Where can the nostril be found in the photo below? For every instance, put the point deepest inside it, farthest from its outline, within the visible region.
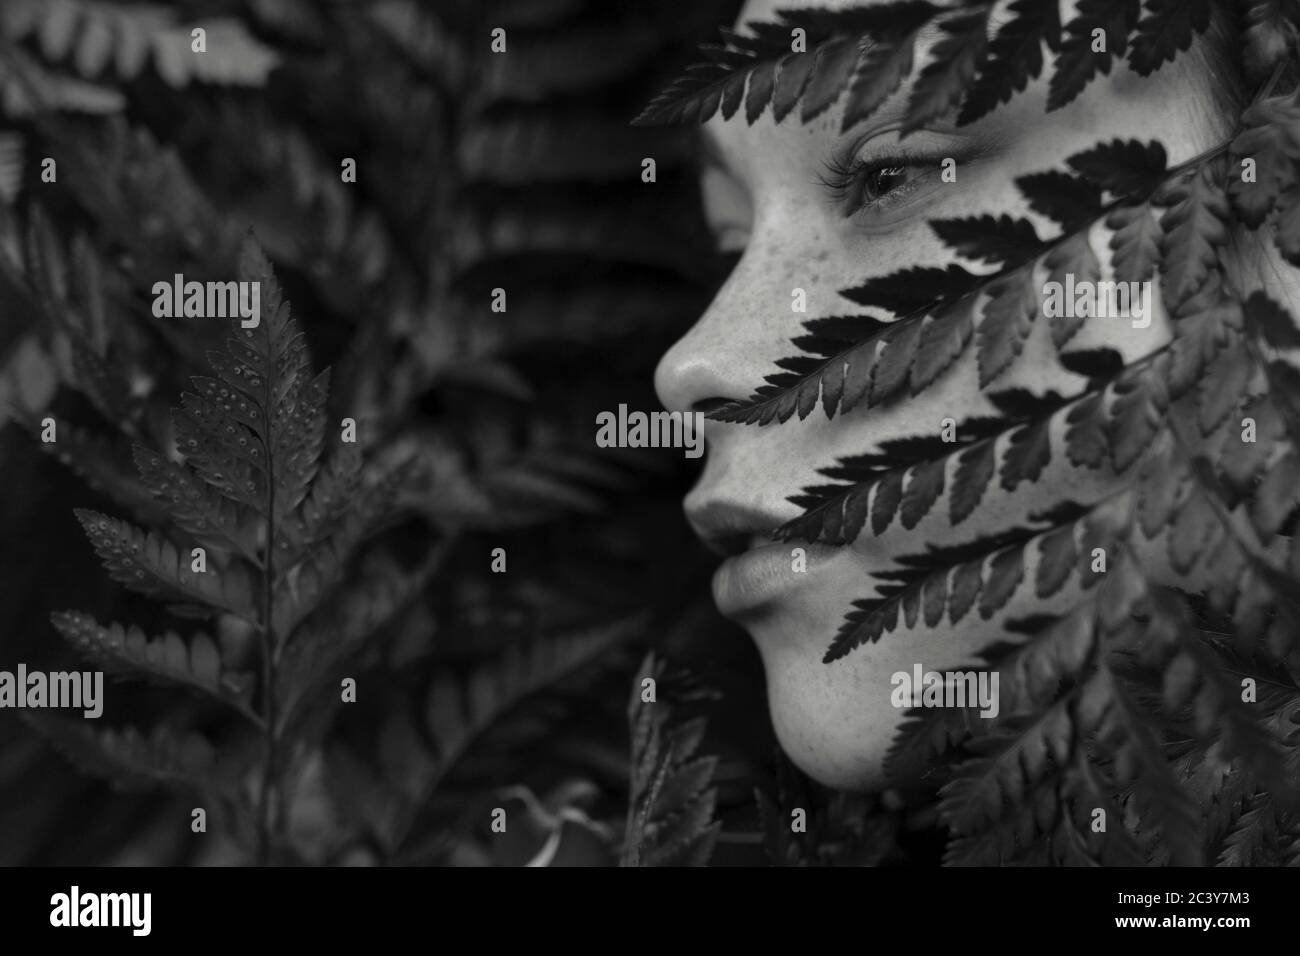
(709, 405)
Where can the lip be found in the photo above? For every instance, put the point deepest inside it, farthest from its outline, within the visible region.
(763, 576)
(759, 571)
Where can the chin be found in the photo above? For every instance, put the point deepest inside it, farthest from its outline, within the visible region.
(834, 721)
(837, 721)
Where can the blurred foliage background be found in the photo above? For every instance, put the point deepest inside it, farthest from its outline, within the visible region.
(474, 171)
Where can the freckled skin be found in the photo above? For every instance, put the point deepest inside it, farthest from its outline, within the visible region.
(836, 721)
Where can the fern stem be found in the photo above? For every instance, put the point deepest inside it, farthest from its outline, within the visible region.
(267, 812)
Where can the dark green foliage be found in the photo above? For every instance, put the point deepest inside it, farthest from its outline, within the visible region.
(253, 440)
(670, 820)
(473, 427)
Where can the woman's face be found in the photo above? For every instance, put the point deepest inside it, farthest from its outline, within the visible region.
(766, 195)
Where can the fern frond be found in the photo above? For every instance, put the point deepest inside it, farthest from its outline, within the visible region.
(670, 816)
(152, 565)
(169, 658)
(131, 760)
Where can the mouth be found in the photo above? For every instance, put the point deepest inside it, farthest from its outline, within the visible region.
(760, 571)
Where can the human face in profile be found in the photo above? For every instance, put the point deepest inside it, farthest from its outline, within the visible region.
(814, 209)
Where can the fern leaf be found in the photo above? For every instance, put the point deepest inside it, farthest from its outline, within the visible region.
(1077, 63)
(1015, 57)
(148, 564)
(894, 363)
(196, 507)
(1073, 256)
(1195, 227)
(974, 472)
(99, 462)
(1006, 571)
(1071, 201)
(459, 711)
(1163, 804)
(1125, 168)
(1014, 759)
(245, 61)
(1028, 454)
(913, 289)
(1135, 416)
(1269, 321)
(924, 488)
(835, 64)
(994, 240)
(670, 819)
(955, 59)
(1136, 243)
(883, 67)
(168, 658)
(842, 381)
(1270, 138)
(1008, 317)
(1250, 834)
(130, 760)
(1167, 29)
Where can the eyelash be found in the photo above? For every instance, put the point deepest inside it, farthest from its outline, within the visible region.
(847, 177)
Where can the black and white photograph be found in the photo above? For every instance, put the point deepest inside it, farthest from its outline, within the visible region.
(740, 434)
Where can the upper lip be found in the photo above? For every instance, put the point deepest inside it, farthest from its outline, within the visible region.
(731, 529)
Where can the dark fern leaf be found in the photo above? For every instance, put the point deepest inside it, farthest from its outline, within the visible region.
(955, 59)
(1135, 416)
(1074, 258)
(1008, 317)
(1136, 242)
(1268, 320)
(1078, 61)
(153, 566)
(1125, 168)
(1095, 364)
(1253, 830)
(913, 289)
(1071, 201)
(884, 66)
(994, 240)
(836, 62)
(1015, 57)
(1028, 454)
(670, 819)
(974, 472)
(793, 72)
(1195, 227)
(1167, 29)
(888, 57)
(943, 339)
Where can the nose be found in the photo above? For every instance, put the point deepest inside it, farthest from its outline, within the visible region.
(698, 373)
(726, 354)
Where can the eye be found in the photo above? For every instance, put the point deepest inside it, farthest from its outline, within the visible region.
(859, 184)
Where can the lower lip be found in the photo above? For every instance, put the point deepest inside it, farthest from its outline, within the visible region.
(763, 576)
